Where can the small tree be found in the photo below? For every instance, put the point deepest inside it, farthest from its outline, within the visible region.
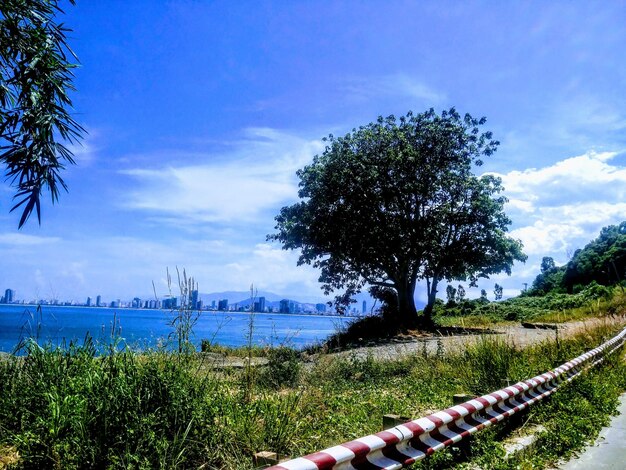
(483, 294)
(547, 264)
(450, 293)
(35, 77)
(460, 293)
(395, 202)
(497, 291)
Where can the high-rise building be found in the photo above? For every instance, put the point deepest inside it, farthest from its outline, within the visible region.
(213, 305)
(136, 302)
(194, 299)
(99, 301)
(284, 306)
(170, 303)
(222, 305)
(88, 303)
(9, 296)
(259, 305)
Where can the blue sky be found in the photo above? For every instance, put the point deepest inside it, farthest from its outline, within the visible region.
(199, 114)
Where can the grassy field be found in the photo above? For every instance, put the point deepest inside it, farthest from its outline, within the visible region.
(83, 407)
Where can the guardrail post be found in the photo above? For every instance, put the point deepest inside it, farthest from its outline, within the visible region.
(391, 421)
(265, 459)
(459, 398)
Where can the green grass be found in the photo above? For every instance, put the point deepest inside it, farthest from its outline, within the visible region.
(73, 408)
(253, 351)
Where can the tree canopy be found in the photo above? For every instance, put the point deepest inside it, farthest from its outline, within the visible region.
(602, 261)
(395, 202)
(35, 78)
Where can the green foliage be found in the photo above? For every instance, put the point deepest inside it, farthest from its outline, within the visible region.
(497, 291)
(451, 294)
(68, 408)
(601, 261)
(396, 201)
(72, 408)
(554, 306)
(549, 280)
(283, 367)
(207, 346)
(35, 78)
(491, 361)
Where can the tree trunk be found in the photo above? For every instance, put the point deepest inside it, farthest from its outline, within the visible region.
(427, 319)
(407, 312)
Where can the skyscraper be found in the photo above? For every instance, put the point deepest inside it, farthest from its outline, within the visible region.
(99, 301)
(194, 299)
(88, 303)
(9, 296)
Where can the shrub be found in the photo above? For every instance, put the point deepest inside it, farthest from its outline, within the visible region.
(283, 367)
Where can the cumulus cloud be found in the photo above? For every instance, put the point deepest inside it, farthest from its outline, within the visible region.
(570, 178)
(565, 203)
(559, 208)
(259, 174)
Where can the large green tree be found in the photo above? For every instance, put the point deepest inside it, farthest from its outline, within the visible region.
(396, 202)
(35, 78)
(602, 260)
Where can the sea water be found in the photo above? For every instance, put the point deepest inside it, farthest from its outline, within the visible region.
(143, 328)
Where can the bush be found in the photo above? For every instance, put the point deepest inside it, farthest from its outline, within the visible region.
(283, 367)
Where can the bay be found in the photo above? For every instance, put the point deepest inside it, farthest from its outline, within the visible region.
(143, 328)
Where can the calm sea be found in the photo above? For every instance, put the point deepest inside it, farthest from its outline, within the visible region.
(149, 328)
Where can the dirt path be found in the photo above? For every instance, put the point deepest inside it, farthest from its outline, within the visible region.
(516, 334)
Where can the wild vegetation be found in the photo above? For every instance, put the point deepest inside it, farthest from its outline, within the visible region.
(94, 406)
(36, 76)
(591, 283)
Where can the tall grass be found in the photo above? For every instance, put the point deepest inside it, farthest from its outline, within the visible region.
(90, 406)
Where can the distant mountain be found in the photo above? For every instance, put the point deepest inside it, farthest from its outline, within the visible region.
(242, 299)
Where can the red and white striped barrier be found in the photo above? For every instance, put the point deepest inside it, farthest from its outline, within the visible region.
(405, 444)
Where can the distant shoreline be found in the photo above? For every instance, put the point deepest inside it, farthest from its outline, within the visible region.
(303, 314)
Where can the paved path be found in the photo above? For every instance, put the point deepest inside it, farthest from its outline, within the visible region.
(609, 451)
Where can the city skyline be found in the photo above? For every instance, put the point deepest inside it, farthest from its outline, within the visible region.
(199, 115)
(259, 304)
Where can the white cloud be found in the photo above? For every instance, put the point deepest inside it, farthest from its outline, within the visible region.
(85, 150)
(259, 174)
(543, 238)
(394, 86)
(561, 207)
(576, 175)
(24, 240)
